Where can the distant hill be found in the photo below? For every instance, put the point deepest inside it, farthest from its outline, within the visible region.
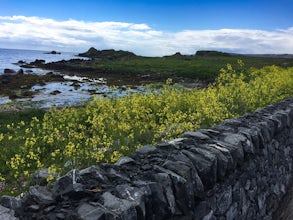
(210, 53)
(107, 54)
(288, 56)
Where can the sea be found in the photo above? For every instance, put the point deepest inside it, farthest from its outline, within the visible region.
(10, 57)
(74, 91)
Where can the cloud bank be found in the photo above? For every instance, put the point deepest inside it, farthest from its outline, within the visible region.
(78, 36)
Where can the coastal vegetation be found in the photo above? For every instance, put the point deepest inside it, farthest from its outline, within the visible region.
(124, 68)
(107, 128)
(203, 65)
(197, 66)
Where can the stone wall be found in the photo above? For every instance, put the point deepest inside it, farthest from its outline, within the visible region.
(239, 169)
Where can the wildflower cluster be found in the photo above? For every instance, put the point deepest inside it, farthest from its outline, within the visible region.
(108, 128)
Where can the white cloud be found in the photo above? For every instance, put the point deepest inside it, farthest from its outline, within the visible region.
(73, 35)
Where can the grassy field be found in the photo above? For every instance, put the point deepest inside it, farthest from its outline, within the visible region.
(201, 67)
(205, 65)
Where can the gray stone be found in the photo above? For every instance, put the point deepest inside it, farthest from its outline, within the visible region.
(138, 196)
(261, 202)
(252, 193)
(290, 116)
(69, 185)
(62, 216)
(271, 147)
(124, 160)
(201, 210)
(92, 177)
(49, 208)
(64, 184)
(282, 116)
(165, 180)
(186, 170)
(190, 190)
(236, 152)
(88, 211)
(146, 149)
(196, 135)
(205, 166)
(233, 122)
(167, 146)
(10, 202)
(221, 128)
(34, 208)
(41, 195)
(252, 212)
(209, 216)
(212, 162)
(239, 141)
(231, 164)
(236, 191)
(232, 212)
(159, 207)
(116, 175)
(7, 214)
(222, 160)
(266, 136)
(224, 200)
(118, 207)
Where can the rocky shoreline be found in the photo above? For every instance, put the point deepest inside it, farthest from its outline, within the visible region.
(79, 75)
(80, 67)
(17, 84)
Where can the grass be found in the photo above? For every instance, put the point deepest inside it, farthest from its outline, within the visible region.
(201, 67)
(119, 65)
(16, 117)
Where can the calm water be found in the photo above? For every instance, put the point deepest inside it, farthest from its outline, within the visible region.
(10, 56)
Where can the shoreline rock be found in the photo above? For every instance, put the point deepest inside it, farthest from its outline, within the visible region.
(53, 52)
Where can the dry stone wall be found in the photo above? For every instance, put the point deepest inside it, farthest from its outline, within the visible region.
(239, 169)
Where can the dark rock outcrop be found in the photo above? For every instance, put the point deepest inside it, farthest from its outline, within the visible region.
(9, 72)
(8, 75)
(53, 52)
(7, 214)
(107, 54)
(209, 53)
(37, 63)
(55, 92)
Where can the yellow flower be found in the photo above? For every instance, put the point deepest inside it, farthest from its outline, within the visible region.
(169, 81)
(26, 173)
(2, 179)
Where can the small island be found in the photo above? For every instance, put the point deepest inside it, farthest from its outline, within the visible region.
(53, 52)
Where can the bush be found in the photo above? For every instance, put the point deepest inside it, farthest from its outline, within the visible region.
(106, 128)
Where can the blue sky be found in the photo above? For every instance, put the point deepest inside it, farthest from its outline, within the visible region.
(149, 27)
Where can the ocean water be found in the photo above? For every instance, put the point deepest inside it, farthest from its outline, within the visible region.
(75, 90)
(8, 57)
